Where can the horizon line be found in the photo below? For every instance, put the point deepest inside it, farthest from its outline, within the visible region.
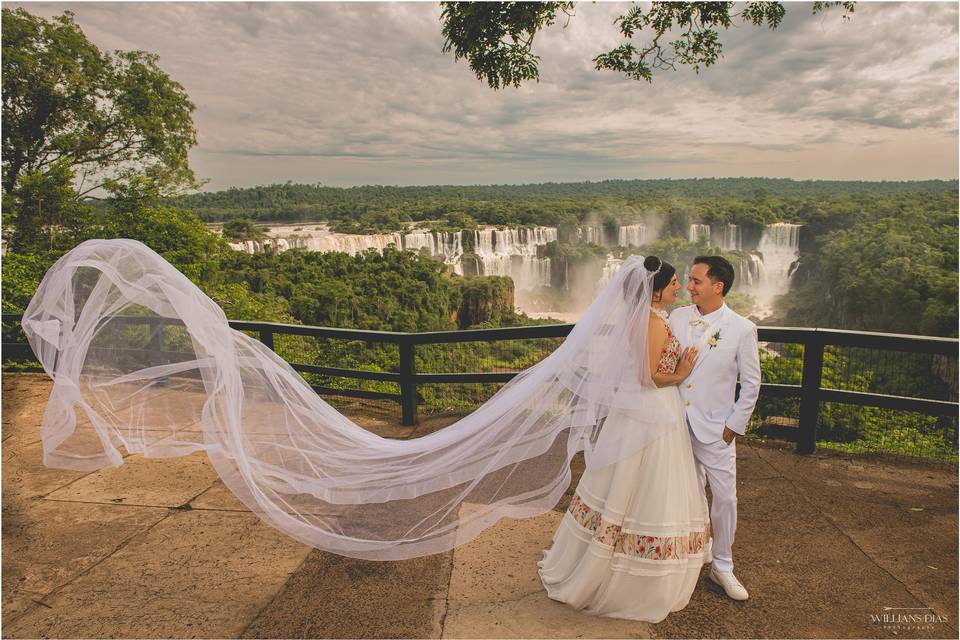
(552, 182)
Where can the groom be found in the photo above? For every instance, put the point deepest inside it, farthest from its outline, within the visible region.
(728, 348)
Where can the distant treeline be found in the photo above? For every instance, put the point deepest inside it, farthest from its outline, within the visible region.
(386, 207)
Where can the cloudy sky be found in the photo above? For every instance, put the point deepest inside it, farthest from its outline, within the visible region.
(360, 93)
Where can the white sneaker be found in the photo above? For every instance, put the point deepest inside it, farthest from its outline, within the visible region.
(708, 552)
(730, 584)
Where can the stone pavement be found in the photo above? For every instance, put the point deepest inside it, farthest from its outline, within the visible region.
(159, 548)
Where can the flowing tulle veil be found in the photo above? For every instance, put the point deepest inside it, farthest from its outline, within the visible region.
(289, 456)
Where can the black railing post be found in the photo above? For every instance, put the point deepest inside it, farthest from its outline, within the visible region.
(266, 337)
(810, 393)
(408, 388)
(155, 327)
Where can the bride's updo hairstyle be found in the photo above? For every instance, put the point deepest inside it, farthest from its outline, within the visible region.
(663, 277)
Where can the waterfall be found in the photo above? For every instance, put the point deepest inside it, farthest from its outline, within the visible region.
(591, 234)
(632, 234)
(513, 252)
(749, 272)
(610, 268)
(778, 251)
(698, 231)
(529, 272)
(448, 244)
(502, 252)
(261, 246)
(730, 238)
(318, 238)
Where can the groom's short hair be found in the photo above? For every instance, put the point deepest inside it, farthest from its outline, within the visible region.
(720, 270)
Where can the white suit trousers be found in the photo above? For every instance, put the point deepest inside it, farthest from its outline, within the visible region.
(717, 466)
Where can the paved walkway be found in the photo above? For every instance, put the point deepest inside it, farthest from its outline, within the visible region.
(159, 548)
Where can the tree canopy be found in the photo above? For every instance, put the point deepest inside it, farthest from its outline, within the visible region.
(496, 38)
(105, 117)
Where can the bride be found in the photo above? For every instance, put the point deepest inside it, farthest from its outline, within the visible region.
(143, 361)
(633, 540)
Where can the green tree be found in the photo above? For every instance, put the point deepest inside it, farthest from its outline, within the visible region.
(43, 213)
(496, 38)
(242, 230)
(108, 117)
(896, 273)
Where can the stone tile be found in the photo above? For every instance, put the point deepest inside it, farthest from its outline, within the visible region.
(196, 574)
(536, 616)
(495, 590)
(806, 577)
(167, 482)
(47, 544)
(219, 497)
(331, 596)
(24, 399)
(25, 477)
(874, 504)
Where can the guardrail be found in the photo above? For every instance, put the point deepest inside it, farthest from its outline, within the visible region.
(810, 391)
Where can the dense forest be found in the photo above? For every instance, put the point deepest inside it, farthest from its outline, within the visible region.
(375, 208)
(295, 202)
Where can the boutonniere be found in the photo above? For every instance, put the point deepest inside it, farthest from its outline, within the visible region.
(714, 339)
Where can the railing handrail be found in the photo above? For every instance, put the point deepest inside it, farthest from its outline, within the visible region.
(829, 337)
(810, 390)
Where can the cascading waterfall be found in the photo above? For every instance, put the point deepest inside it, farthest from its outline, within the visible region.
(698, 231)
(731, 238)
(778, 251)
(504, 252)
(764, 274)
(513, 252)
(632, 234)
(319, 238)
(610, 268)
(591, 234)
(448, 244)
(749, 271)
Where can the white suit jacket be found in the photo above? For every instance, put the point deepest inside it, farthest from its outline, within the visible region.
(709, 391)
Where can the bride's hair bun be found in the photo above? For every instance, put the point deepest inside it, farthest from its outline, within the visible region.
(663, 273)
(652, 263)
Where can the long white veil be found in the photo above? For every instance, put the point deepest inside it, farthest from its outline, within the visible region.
(289, 456)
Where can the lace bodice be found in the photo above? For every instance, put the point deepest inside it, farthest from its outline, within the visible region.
(670, 355)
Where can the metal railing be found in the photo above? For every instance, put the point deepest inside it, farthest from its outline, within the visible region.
(810, 391)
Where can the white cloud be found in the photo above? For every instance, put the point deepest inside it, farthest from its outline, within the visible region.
(360, 93)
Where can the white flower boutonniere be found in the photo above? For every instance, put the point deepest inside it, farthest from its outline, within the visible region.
(714, 340)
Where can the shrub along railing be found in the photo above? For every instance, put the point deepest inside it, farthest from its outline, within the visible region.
(811, 390)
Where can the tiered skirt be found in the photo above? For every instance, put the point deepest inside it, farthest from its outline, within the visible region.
(633, 541)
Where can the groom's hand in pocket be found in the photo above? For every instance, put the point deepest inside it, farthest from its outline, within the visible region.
(728, 435)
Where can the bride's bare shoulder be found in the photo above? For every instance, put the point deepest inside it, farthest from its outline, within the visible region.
(657, 324)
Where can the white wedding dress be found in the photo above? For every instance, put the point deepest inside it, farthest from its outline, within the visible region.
(637, 532)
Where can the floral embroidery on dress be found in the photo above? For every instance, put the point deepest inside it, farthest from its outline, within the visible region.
(637, 545)
(670, 355)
